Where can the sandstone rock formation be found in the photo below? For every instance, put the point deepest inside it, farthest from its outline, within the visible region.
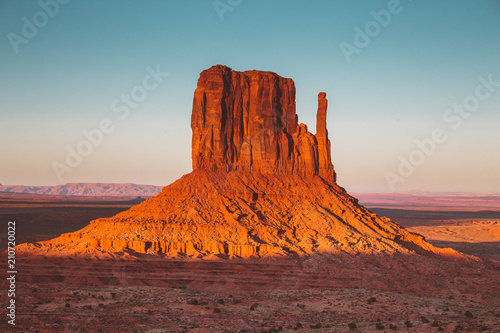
(262, 185)
(247, 122)
(243, 214)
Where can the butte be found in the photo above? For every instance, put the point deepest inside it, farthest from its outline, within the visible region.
(262, 185)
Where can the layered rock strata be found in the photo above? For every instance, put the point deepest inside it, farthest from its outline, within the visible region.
(262, 185)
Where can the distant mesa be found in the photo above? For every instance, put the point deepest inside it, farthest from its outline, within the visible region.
(86, 189)
(137, 200)
(262, 185)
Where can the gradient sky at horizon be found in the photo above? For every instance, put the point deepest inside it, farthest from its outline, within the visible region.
(429, 57)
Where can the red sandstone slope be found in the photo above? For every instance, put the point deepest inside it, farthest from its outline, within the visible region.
(242, 214)
(262, 184)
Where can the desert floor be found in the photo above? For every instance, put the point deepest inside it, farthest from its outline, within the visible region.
(145, 294)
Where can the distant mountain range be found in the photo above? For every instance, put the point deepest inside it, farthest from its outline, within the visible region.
(87, 189)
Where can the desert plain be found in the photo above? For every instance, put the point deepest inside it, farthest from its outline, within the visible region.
(145, 293)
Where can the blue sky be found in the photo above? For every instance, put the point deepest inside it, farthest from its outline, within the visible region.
(63, 78)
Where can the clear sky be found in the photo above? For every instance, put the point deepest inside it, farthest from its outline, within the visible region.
(394, 72)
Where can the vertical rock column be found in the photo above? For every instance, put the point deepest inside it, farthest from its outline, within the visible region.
(325, 165)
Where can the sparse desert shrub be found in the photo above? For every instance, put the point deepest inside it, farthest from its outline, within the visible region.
(216, 310)
(316, 326)
(68, 305)
(193, 302)
(435, 323)
(101, 305)
(424, 320)
(379, 326)
(371, 300)
(484, 328)
(100, 297)
(408, 323)
(220, 301)
(468, 314)
(113, 295)
(302, 306)
(440, 329)
(253, 306)
(393, 327)
(236, 301)
(352, 326)
(298, 325)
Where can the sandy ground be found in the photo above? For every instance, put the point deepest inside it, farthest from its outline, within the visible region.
(129, 294)
(471, 232)
(479, 238)
(150, 309)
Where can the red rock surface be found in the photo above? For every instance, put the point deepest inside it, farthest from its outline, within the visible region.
(243, 214)
(262, 185)
(246, 121)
